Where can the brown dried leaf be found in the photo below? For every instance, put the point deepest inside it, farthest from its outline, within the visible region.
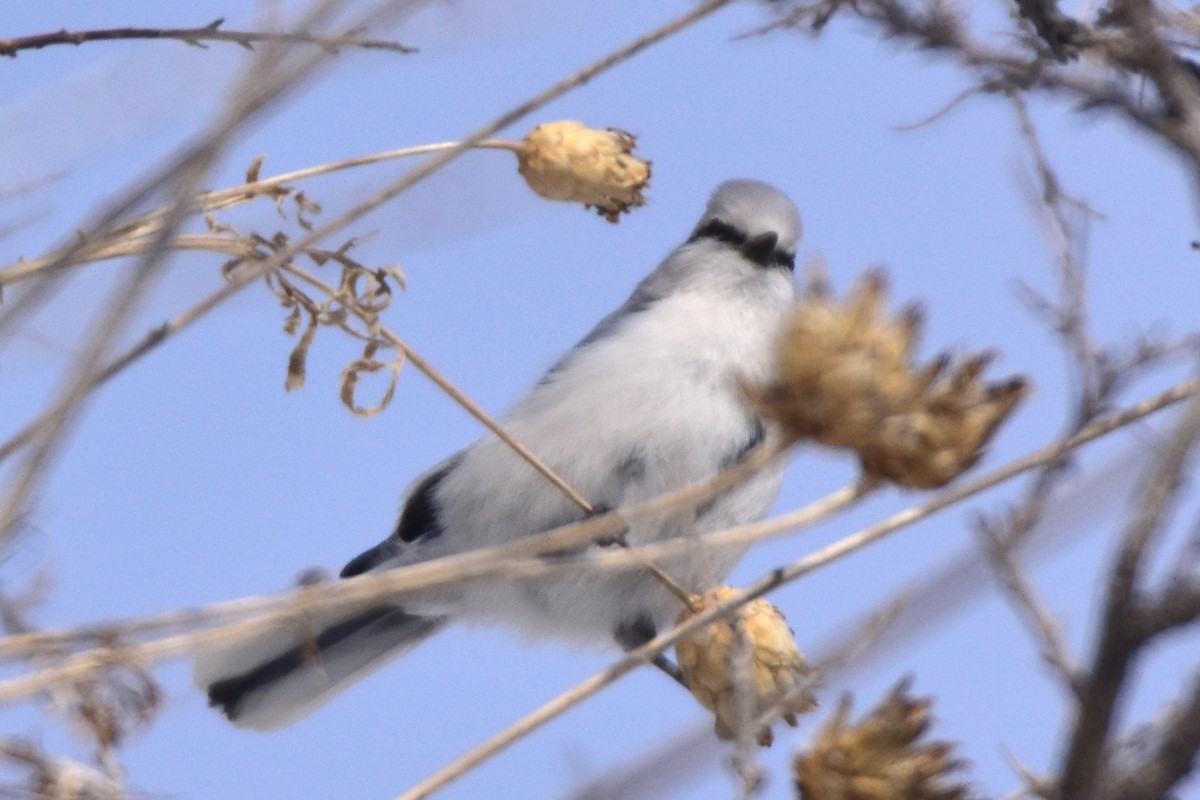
(369, 364)
(297, 361)
(304, 209)
(255, 168)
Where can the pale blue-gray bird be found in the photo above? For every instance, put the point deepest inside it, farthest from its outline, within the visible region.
(647, 402)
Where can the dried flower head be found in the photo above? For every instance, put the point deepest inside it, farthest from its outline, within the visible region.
(741, 674)
(879, 759)
(568, 161)
(846, 379)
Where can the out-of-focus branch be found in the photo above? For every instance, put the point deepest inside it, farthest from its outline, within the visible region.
(1170, 757)
(1060, 33)
(196, 37)
(1178, 605)
(131, 237)
(1127, 44)
(51, 777)
(518, 558)
(1084, 767)
(1020, 588)
(265, 82)
(252, 101)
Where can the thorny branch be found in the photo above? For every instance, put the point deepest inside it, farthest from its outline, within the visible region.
(196, 37)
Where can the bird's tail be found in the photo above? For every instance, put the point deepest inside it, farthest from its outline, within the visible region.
(277, 677)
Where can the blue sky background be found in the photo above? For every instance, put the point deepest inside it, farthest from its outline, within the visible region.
(194, 478)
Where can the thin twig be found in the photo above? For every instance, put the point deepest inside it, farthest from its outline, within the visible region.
(253, 94)
(1053, 644)
(500, 560)
(501, 433)
(660, 643)
(129, 238)
(254, 271)
(196, 36)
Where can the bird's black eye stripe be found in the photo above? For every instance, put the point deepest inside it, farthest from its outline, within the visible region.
(722, 231)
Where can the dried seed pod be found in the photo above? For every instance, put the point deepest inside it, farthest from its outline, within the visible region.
(943, 434)
(879, 759)
(568, 161)
(846, 378)
(761, 651)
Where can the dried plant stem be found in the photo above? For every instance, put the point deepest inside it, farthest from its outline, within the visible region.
(129, 238)
(1053, 644)
(493, 425)
(486, 419)
(475, 410)
(195, 36)
(210, 199)
(503, 560)
(776, 578)
(259, 269)
(512, 560)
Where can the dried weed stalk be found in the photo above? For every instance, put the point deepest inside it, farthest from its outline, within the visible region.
(196, 37)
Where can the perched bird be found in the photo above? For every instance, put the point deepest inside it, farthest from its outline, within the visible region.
(647, 402)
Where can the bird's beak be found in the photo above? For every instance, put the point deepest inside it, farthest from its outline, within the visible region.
(761, 248)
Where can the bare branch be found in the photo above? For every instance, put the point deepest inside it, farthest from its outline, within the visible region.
(1024, 596)
(83, 381)
(1057, 31)
(1171, 756)
(196, 37)
(1178, 605)
(1083, 766)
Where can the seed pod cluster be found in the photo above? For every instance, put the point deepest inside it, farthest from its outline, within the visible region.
(741, 672)
(880, 758)
(846, 378)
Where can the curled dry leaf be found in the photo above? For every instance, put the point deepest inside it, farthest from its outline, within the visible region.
(879, 758)
(298, 360)
(368, 363)
(846, 378)
(740, 674)
(568, 161)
